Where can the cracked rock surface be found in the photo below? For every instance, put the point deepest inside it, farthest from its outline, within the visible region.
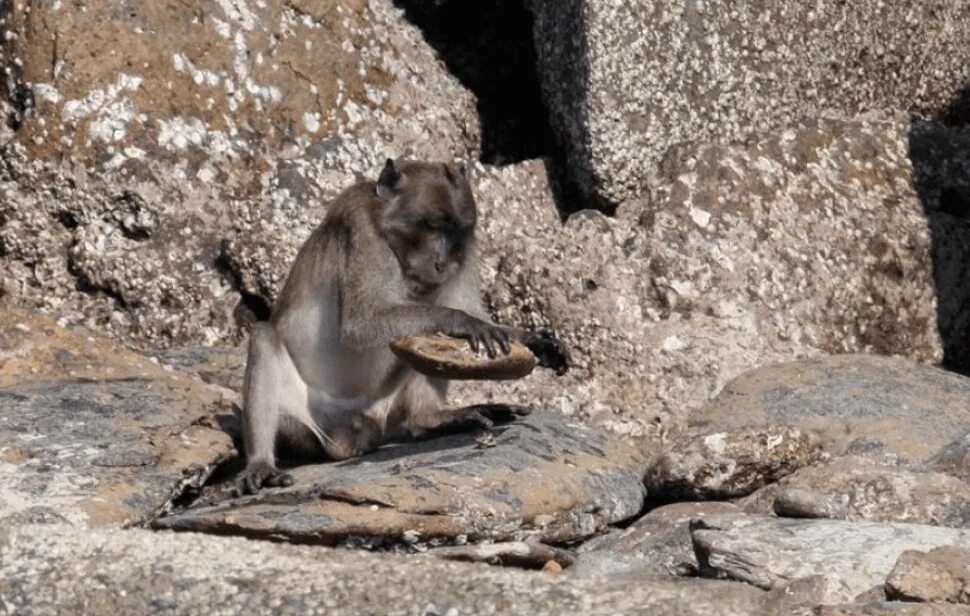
(56, 569)
(846, 558)
(541, 477)
(92, 434)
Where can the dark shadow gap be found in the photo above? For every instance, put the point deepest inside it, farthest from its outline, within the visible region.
(488, 47)
(939, 150)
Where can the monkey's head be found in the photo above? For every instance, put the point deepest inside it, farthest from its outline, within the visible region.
(428, 219)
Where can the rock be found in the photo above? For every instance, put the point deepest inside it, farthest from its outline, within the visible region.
(167, 162)
(941, 575)
(510, 553)
(544, 479)
(625, 82)
(53, 569)
(452, 358)
(659, 543)
(730, 464)
(953, 459)
(95, 435)
(851, 557)
(877, 406)
(216, 96)
(892, 608)
(746, 255)
(223, 366)
(855, 488)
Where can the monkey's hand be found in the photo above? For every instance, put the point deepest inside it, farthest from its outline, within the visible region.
(260, 475)
(481, 334)
(549, 351)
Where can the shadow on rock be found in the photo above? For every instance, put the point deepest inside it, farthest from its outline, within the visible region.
(940, 153)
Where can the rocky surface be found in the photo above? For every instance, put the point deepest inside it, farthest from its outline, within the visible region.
(877, 406)
(92, 434)
(539, 477)
(452, 358)
(941, 575)
(55, 569)
(847, 558)
(219, 95)
(855, 488)
(892, 608)
(746, 255)
(726, 465)
(510, 553)
(659, 543)
(626, 81)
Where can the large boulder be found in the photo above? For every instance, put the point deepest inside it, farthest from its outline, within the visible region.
(215, 93)
(625, 81)
(858, 404)
(856, 488)
(163, 162)
(832, 237)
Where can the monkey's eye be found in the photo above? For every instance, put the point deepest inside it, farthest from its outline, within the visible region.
(429, 225)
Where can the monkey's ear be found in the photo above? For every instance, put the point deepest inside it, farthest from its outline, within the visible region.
(389, 179)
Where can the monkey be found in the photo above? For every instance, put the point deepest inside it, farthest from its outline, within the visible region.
(391, 258)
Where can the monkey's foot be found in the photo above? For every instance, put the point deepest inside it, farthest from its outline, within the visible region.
(479, 416)
(262, 475)
(549, 351)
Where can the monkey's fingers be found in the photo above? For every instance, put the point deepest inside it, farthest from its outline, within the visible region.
(488, 343)
(504, 340)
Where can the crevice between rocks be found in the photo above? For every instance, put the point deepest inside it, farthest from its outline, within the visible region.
(489, 48)
(251, 307)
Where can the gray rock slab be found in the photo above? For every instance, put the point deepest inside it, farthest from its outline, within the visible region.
(93, 434)
(659, 543)
(223, 366)
(624, 81)
(855, 488)
(542, 477)
(861, 404)
(730, 464)
(850, 557)
(56, 569)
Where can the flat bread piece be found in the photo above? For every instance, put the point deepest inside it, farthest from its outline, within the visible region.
(451, 358)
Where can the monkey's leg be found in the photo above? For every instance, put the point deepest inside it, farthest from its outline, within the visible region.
(261, 411)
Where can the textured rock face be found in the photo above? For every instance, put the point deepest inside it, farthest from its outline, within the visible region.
(878, 406)
(847, 558)
(54, 569)
(625, 81)
(94, 435)
(803, 242)
(730, 464)
(168, 160)
(856, 488)
(941, 576)
(217, 93)
(539, 477)
(892, 608)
